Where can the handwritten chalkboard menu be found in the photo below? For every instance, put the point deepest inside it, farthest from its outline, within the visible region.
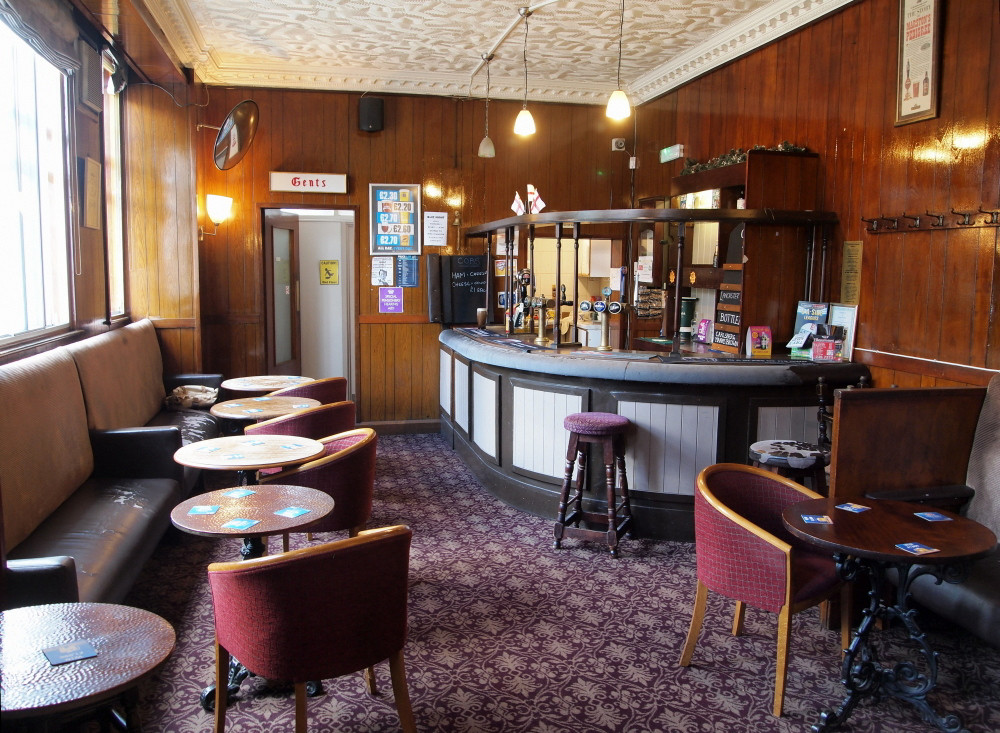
(456, 287)
(729, 304)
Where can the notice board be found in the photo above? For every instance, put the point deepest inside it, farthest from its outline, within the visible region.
(729, 306)
(456, 286)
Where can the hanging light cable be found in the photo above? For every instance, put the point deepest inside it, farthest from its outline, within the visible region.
(618, 106)
(525, 123)
(486, 148)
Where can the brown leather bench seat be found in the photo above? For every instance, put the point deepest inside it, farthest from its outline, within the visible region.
(87, 476)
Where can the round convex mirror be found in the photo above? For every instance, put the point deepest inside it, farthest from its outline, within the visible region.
(236, 134)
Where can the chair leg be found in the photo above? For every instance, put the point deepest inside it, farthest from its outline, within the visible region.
(738, 616)
(397, 671)
(221, 686)
(370, 681)
(300, 707)
(780, 670)
(697, 616)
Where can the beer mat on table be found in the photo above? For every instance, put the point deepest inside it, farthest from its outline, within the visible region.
(70, 652)
(932, 516)
(816, 519)
(204, 509)
(292, 511)
(916, 548)
(852, 507)
(239, 523)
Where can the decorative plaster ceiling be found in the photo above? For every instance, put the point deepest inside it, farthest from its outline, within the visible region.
(436, 47)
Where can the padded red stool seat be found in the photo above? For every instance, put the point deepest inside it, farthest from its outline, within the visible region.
(608, 430)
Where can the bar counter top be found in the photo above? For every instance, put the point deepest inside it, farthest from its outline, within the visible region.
(504, 400)
(696, 365)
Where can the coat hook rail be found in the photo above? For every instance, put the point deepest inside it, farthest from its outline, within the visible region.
(931, 220)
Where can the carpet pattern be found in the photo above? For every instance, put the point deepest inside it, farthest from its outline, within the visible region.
(508, 634)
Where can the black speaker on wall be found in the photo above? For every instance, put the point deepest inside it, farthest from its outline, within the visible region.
(370, 114)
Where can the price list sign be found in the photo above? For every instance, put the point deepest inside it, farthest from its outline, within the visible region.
(395, 218)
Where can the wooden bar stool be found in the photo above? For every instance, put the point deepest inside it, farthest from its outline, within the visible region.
(608, 430)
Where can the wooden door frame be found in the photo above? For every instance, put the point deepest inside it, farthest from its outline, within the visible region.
(279, 220)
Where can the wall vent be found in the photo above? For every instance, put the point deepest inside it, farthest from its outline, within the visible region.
(90, 78)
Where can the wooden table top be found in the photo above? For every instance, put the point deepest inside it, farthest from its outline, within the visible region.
(261, 408)
(130, 644)
(264, 382)
(260, 505)
(248, 452)
(874, 534)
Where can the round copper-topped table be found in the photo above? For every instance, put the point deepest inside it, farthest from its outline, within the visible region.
(248, 452)
(261, 505)
(875, 537)
(261, 408)
(130, 644)
(264, 383)
(274, 509)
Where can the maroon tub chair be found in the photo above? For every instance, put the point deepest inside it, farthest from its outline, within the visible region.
(314, 614)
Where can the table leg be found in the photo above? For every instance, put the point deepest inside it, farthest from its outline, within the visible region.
(862, 673)
(237, 673)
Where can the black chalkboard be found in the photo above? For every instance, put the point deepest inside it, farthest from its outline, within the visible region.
(456, 287)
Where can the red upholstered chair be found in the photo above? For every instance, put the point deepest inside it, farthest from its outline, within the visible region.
(346, 472)
(313, 422)
(314, 614)
(328, 390)
(745, 553)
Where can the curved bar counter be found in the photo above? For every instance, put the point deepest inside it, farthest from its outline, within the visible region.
(503, 402)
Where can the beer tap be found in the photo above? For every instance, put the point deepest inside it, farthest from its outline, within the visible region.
(541, 304)
(604, 308)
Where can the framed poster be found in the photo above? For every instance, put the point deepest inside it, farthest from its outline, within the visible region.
(395, 218)
(919, 60)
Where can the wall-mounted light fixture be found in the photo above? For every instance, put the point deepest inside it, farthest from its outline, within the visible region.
(525, 123)
(217, 208)
(486, 148)
(618, 106)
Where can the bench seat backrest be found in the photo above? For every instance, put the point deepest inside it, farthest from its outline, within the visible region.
(122, 376)
(984, 462)
(45, 452)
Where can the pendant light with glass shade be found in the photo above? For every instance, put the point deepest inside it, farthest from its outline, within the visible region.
(486, 148)
(618, 106)
(525, 123)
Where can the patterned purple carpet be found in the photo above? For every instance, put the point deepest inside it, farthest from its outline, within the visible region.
(508, 634)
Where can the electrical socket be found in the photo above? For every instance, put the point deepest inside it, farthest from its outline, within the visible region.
(617, 143)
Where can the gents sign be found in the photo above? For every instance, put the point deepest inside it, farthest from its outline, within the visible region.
(309, 182)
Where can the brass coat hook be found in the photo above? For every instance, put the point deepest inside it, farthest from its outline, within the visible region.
(891, 222)
(872, 222)
(914, 219)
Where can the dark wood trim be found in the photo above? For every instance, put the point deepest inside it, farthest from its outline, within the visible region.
(393, 318)
(939, 370)
(168, 323)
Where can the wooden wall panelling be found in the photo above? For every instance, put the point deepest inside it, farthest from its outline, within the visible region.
(162, 270)
(844, 109)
